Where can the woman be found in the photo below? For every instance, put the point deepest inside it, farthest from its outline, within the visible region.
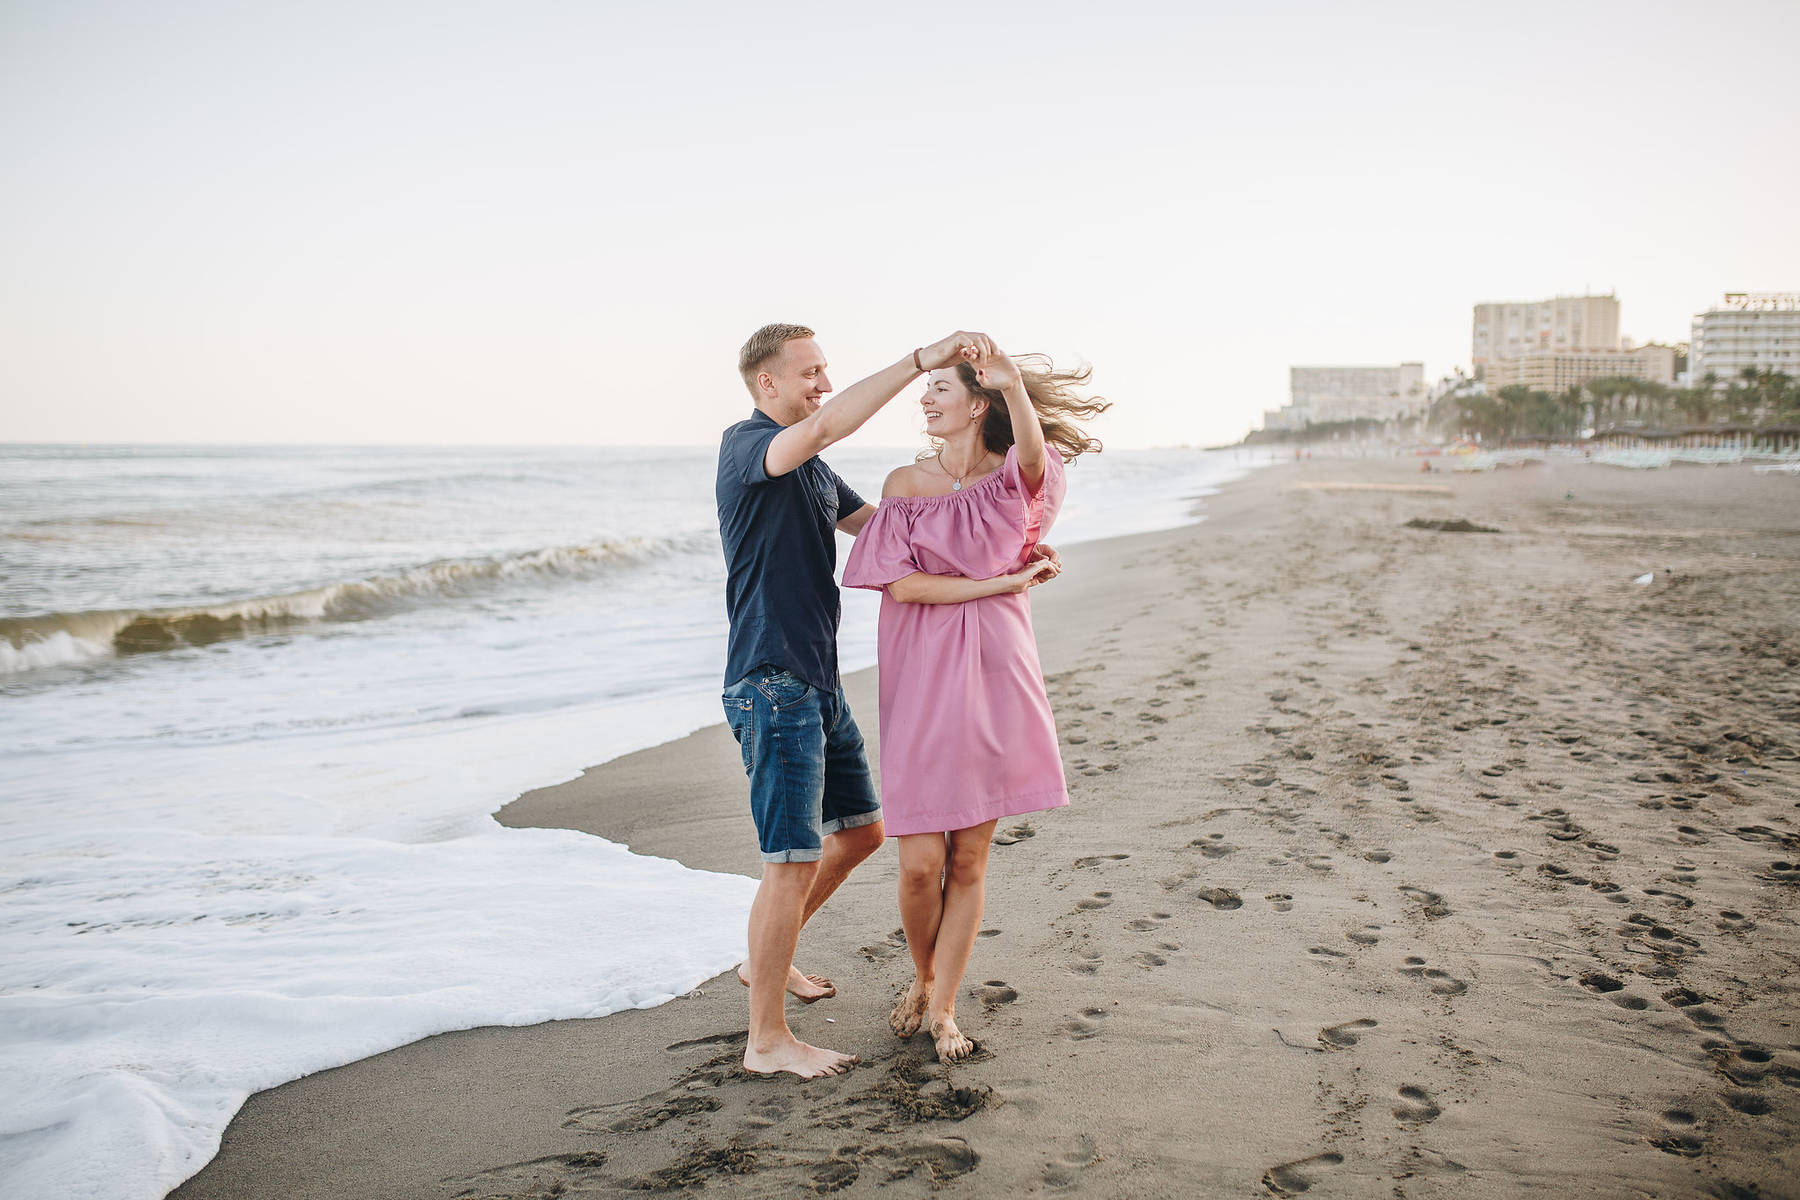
(967, 736)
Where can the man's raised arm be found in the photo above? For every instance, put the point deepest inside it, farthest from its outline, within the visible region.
(846, 412)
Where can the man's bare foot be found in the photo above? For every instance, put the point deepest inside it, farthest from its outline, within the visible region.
(804, 988)
(909, 1010)
(798, 1058)
(951, 1044)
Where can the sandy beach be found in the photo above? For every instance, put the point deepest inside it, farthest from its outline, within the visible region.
(1400, 863)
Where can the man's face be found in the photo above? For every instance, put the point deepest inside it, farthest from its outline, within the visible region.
(797, 376)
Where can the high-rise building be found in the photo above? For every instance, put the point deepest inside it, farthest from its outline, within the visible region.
(1749, 329)
(1320, 395)
(1560, 325)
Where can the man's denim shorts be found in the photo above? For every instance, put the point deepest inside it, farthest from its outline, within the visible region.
(809, 775)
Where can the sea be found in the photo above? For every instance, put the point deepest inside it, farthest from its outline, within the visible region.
(258, 705)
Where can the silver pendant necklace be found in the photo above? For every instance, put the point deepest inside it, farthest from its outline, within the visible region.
(955, 481)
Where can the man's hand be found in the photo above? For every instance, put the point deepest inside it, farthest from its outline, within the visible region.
(958, 347)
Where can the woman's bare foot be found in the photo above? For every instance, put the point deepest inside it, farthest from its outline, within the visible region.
(798, 1058)
(951, 1044)
(804, 988)
(909, 1010)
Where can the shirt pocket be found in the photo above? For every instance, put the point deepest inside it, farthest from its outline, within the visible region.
(825, 495)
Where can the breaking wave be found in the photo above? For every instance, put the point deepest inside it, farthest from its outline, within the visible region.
(70, 639)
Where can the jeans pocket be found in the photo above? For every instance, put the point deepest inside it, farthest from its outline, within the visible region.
(740, 718)
(780, 688)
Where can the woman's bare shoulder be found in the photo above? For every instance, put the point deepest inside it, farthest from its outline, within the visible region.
(911, 480)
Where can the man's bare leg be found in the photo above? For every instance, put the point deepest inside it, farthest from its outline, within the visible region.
(775, 919)
(965, 895)
(844, 850)
(921, 911)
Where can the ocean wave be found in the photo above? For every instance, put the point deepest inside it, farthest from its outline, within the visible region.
(70, 639)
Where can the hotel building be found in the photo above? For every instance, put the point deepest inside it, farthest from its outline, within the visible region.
(1749, 329)
(1320, 395)
(1562, 371)
(1562, 325)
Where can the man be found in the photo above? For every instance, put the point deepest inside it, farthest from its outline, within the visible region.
(816, 812)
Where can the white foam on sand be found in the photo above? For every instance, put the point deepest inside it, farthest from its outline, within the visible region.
(247, 915)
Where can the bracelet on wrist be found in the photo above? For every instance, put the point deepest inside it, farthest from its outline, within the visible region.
(917, 365)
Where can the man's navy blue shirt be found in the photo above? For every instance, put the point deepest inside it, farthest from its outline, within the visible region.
(780, 555)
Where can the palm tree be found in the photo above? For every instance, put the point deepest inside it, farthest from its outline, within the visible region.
(1696, 404)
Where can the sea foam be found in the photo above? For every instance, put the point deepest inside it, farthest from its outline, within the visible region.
(251, 913)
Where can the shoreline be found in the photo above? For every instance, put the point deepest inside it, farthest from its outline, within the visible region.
(1372, 881)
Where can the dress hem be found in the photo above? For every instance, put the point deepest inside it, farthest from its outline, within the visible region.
(1011, 806)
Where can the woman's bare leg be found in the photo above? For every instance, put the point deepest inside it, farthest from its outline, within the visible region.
(965, 894)
(922, 858)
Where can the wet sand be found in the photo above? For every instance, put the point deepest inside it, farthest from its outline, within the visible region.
(1400, 863)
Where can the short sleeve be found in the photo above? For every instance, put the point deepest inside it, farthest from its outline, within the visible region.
(744, 453)
(848, 500)
(882, 552)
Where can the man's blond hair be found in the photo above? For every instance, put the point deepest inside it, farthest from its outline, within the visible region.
(763, 346)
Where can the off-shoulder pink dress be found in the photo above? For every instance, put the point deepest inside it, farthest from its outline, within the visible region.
(967, 735)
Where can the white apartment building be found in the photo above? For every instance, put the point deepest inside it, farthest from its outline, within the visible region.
(1562, 371)
(1321, 395)
(1749, 329)
(1560, 325)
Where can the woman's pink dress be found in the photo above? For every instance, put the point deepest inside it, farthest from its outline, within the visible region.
(967, 735)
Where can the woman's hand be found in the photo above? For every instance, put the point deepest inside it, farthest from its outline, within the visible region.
(1035, 572)
(993, 369)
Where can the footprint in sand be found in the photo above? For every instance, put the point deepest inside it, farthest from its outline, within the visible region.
(881, 951)
(1145, 924)
(1431, 905)
(1416, 1107)
(1676, 1134)
(1063, 1171)
(1292, 1178)
(1085, 1026)
(1280, 901)
(1751, 1104)
(1222, 899)
(994, 993)
(1557, 873)
(1087, 962)
(1732, 921)
(1378, 855)
(1148, 959)
(1347, 1034)
(708, 1042)
(1327, 956)
(1213, 845)
(691, 1096)
(770, 1110)
(1016, 834)
(1097, 900)
(1441, 983)
(1095, 860)
(1368, 935)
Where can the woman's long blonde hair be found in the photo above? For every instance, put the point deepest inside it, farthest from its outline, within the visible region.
(1053, 397)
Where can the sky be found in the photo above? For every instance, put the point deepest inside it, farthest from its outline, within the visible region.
(554, 223)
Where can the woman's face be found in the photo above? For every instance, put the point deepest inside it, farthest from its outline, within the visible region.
(949, 406)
